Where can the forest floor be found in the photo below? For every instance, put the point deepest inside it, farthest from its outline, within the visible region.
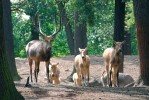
(67, 91)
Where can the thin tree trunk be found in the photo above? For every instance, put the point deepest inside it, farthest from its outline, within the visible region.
(141, 12)
(119, 23)
(7, 88)
(9, 41)
(68, 29)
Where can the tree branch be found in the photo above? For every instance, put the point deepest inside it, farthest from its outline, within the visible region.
(21, 5)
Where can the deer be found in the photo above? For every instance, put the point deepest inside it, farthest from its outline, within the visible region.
(113, 60)
(77, 80)
(54, 73)
(82, 63)
(41, 50)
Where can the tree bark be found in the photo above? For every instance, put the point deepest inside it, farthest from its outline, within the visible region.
(34, 27)
(67, 25)
(119, 24)
(80, 38)
(7, 88)
(9, 40)
(141, 12)
(127, 44)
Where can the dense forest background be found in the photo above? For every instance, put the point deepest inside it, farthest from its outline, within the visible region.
(99, 15)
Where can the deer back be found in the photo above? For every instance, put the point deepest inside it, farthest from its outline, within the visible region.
(40, 50)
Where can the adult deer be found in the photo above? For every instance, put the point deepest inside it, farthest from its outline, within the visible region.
(113, 60)
(38, 50)
(82, 64)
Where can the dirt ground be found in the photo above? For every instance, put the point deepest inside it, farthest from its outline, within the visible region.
(67, 91)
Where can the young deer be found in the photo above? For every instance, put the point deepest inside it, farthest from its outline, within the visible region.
(82, 63)
(54, 73)
(77, 80)
(113, 60)
(38, 51)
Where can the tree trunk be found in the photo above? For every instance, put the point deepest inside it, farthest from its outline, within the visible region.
(34, 27)
(69, 78)
(80, 38)
(141, 12)
(119, 23)
(127, 44)
(7, 88)
(9, 40)
(68, 29)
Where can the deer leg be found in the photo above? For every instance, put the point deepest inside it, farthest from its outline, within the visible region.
(38, 63)
(47, 71)
(30, 64)
(83, 79)
(83, 72)
(110, 73)
(80, 76)
(117, 80)
(115, 76)
(113, 79)
(88, 75)
(36, 70)
(110, 81)
(35, 74)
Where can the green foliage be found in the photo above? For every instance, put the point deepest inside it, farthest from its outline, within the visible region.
(60, 46)
(85, 9)
(130, 26)
(100, 36)
(98, 13)
(99, 40)
(21, 33)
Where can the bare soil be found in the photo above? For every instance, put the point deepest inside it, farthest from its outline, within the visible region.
(67, 91)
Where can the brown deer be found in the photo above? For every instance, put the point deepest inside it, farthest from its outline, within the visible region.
(82, 63)
(54, 73)
(113, 60)
(38, 50)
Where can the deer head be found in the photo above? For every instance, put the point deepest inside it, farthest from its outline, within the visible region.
(49, 38)
(118, 46)
(83, 52)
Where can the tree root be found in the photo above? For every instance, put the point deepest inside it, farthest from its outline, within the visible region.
(139, 83)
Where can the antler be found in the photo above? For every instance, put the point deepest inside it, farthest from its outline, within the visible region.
(56, 32)
(40, 28)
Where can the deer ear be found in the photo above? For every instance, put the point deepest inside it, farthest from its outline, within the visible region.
(80, 49)
(114, 42)
(123, 41)
(86, 49)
